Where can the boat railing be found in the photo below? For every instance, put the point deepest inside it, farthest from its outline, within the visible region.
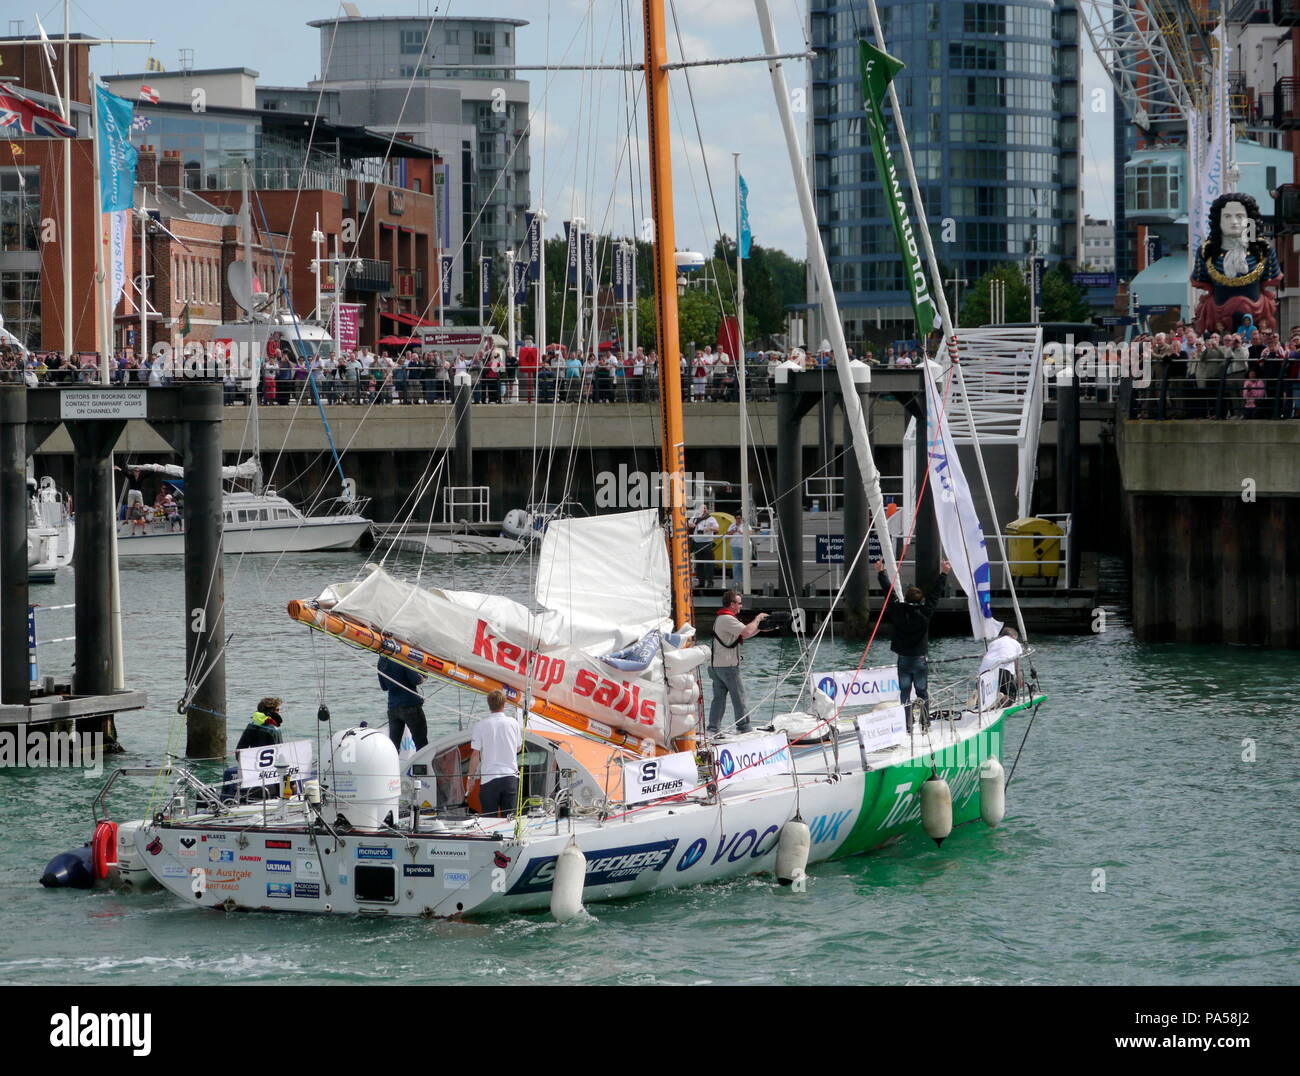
(340, 506)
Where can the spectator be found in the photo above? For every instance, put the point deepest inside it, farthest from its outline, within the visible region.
(1252, 392)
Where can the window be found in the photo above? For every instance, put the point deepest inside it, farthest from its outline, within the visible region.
(482, 42)
(984, 18)
(412, 42)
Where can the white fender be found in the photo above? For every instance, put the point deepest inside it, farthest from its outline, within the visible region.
(936, 808)
(993, 792)
(681, 724)
(682, 709)
(681, 661)
(681, 682)
(685, 695)
(566, 890)
(792, 851)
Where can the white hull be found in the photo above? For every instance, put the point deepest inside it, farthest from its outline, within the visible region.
(313, 534)
(277, 858)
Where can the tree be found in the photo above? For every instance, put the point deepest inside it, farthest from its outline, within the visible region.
(1062, 301)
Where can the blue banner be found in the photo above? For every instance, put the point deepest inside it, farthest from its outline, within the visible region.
(570, 253)
(620, 273)
(533, 245)
(588, 260)
(520, 271)
(745, 239)
(485, 281)
(446, 279)
(117, 156)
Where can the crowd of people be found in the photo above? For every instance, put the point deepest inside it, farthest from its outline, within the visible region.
(554, 375)
(1249, 373)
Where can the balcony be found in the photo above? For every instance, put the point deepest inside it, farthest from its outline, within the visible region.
(1286, 12)
(1281, 108)
(1286, 209)
(369, 275)
(267, 179)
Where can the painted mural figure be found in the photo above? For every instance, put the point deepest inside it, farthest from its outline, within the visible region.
(1237, 270)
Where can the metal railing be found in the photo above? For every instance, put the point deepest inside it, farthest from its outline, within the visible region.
(465, 504)
(1220, 396)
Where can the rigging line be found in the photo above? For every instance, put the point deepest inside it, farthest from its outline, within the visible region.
(699, 136)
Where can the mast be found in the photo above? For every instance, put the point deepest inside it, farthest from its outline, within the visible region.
(746, 508)
(67, 199)
(830, 308)
(539, 315)
(254, 356)
(575, 228)
(673, 444)
(945, 317)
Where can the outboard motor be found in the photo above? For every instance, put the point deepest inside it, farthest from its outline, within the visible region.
(70, 870)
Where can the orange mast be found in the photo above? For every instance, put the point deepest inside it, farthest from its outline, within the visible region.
(666, 333)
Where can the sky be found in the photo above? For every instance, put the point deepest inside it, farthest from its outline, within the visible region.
(580, 145)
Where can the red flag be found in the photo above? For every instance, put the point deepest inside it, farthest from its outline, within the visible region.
(31, 118)
(148, 93)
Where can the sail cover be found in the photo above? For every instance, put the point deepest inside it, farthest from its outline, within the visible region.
(959, 524)
(598, 598)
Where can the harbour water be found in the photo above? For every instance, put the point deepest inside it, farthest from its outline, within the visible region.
(1150, 834)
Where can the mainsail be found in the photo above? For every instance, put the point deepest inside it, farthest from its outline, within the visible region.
(604, 584)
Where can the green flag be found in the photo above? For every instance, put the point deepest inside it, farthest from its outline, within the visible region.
(186, 328)
(877, 70)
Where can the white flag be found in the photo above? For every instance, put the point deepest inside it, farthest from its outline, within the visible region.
(45, 41)
(959, 524)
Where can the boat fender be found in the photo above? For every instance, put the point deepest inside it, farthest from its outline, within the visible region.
(566, 890)
(682, 709)
(311, 792)
(681, 682)
(792, 851)
(993, 792)
(681, 661)
(936, 808)
(681, 724)
(103, 849)
(70, 870)
(688, 695)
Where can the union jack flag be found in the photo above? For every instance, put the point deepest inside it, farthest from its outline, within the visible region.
(30, 118)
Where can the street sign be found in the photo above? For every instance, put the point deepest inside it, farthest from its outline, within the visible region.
(1094, 280)
(102, 403)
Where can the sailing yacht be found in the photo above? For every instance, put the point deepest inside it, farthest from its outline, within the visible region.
(618, 798)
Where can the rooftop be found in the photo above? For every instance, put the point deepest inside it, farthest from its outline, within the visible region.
(418, 18)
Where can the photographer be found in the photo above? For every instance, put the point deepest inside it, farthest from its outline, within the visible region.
(724, 669)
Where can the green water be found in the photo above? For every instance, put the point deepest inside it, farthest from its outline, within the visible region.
(1135, 768)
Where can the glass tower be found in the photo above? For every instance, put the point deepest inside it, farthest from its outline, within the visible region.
(990, 99)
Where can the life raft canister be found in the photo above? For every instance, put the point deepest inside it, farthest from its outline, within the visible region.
(103, 848)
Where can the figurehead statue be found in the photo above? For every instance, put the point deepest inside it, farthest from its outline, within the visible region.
(1237, 270)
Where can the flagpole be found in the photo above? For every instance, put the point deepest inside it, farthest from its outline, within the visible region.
(66, 237)
(510, 300)
(575, 227)
(746, 507)
(830, 308)
(539, 315)
(949, 330)
(624, 262)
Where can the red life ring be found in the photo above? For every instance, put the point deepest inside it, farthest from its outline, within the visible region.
(103, 848)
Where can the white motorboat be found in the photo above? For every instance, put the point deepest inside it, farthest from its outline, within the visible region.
(254, 523)
(50, 531)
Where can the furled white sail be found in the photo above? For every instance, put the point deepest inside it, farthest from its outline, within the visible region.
(604, 581)
(959, 524)
(247, 469)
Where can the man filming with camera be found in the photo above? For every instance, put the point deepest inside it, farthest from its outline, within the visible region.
(724, 669)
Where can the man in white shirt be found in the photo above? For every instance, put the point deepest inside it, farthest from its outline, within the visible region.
(724, 670)
(496, 740)
(1003, 655)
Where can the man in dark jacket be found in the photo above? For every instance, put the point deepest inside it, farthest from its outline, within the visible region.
(405, 704)
(910, 622)
(263, 727)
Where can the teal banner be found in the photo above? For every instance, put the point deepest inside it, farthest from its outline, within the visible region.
(117, 156)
